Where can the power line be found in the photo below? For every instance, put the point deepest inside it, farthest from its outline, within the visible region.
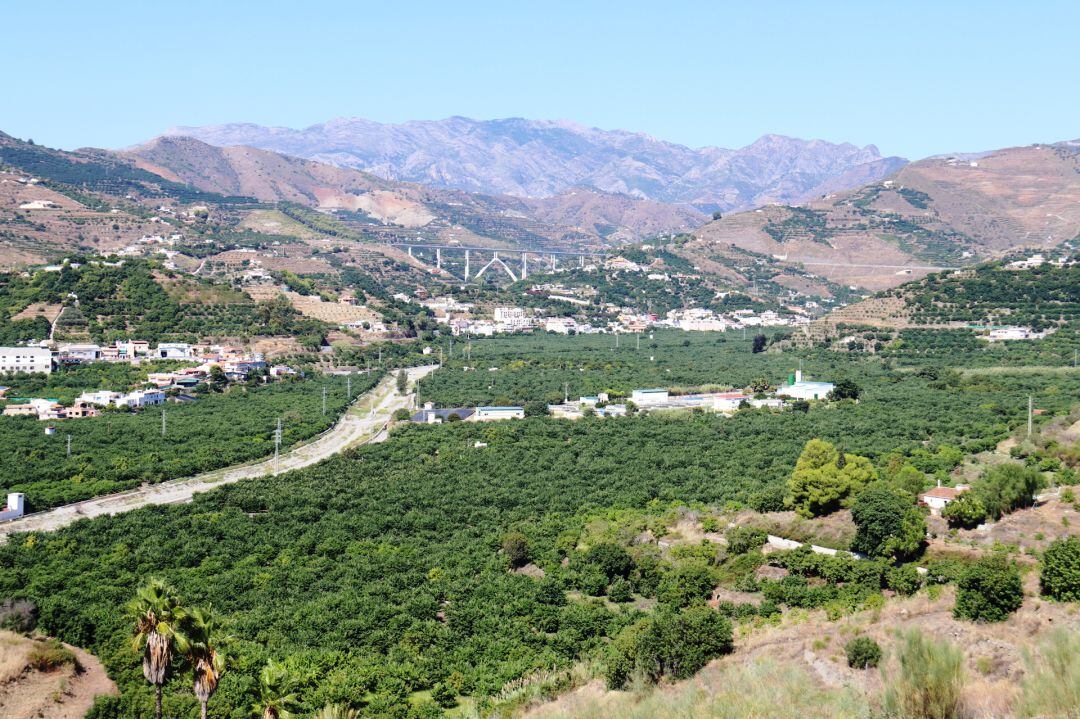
(277, 439)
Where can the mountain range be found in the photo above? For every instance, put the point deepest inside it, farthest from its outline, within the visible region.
(582, 216)
(943, 211)
(543, 158)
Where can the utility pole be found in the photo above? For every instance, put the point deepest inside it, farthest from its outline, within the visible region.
(324, 399)
(348, 387)
(69, 446)
(162, 422)
(638, 338)
(1030, 407)
(566, 392)
(277, 439)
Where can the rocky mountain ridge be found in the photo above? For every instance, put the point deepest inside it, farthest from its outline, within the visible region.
(542, 158)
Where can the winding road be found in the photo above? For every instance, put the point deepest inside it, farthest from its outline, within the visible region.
(366, 421)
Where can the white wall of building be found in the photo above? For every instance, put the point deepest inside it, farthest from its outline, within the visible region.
(34, 360)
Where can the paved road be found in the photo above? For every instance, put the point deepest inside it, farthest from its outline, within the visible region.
(366, 421)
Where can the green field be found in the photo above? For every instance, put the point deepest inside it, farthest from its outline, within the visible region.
(120, 450)
(378, 574)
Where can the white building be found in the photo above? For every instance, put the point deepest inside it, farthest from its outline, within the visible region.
(511, 317)
(174, 350)
(805, 390)
(33, 360)
(1010, 333)
(102, 397)
(15, 508)
(644, 397)
(560, 325)
(82, 352)
(491, 414)
(939, 497)
(142, 398)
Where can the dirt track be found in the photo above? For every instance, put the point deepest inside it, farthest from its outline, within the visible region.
(365, 421)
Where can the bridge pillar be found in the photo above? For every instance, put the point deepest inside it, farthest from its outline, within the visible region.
(410, 250)
(524, 265)
(581, 261)
(466, 265)
(553, 263)
(438, 258)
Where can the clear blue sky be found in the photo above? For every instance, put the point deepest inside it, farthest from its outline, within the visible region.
(915, 78)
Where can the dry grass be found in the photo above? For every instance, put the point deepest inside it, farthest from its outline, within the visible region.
(757, 689)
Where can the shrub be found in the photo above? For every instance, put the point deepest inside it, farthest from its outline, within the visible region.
(909, 480)
(1051, 685)
(18, 615)
(862, 653)
(442, 695)
(741, 540)
(989, 591)
(928, 682)
(768, 500)
(825, 478)
(1061, 570)
(50, 654)
(402, 415)
(887, 525)
(613, 560)
(967, 511)
(516, 548)
(687, 584)
(904, 579)
(669, 643)
(1007, 487)
(620, 591)
(844, 389)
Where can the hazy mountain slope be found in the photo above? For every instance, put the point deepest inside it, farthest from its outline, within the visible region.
(942, 211)
(53, 203)
(272, 177)
(537, 158)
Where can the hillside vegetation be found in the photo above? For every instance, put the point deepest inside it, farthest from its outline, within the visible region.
(135, 300)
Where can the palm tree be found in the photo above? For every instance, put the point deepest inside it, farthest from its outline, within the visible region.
(201, 637)
(157, 617)
(275, 695)
(336, 711)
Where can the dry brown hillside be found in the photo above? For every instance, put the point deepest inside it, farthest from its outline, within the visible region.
(938, 212)
(586, 216)
(46, 680)
(39, 224)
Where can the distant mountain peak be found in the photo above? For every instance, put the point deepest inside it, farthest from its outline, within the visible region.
(543, 158)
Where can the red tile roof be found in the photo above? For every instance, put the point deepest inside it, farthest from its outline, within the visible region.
(942, 493)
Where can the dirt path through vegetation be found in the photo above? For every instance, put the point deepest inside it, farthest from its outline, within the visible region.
(366, 421)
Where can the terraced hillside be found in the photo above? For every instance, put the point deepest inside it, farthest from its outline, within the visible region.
(938, 212)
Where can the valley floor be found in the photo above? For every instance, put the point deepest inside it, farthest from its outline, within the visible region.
(366, 421)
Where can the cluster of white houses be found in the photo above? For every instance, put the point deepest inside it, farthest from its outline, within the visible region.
(41, 359)
(235, 363)
(507, 320)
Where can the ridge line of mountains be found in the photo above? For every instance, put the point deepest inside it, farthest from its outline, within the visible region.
(944, 210)
(544, 158)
